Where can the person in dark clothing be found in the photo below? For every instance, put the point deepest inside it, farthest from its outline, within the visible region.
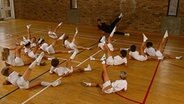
(107, 28)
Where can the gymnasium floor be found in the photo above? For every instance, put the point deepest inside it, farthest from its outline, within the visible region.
(150, 82)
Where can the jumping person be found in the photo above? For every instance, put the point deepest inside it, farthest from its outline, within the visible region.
(22, 81)
(107, 28)
(107, 86)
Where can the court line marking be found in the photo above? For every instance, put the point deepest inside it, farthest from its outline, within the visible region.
(153, 77)
(128, 98)
(182, 67)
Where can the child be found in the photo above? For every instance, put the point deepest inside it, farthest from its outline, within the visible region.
(29, 38)
(71, 45)
(108, 86)
(50, 48)
(133, 53)
(17, 59)
(64, 71)
(108, 49)
(102, 41)
(22, 81)
(153, 52)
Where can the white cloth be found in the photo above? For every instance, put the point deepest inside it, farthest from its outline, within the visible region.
(101, 45)
(110, 46)
(44, 47)
(137, 56)
(117, 60)
(15, 61)
(27, 50)
(153, 52)
(33, 44)
(150, 51)
(13, 77)
(30, 53)
(18, 81)
(50, 49)
(117, 85)
(106, 84)
(22, 83)
(70, 45)
(52, 34)
(61, 70)
(110, 60)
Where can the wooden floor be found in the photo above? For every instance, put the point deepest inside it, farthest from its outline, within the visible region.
(150, 82)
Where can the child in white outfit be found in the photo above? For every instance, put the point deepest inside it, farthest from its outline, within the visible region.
(109, 87)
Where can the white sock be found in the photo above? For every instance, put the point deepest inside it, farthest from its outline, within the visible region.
(39, 58)
(50, 58)
(179, 57)
(71, 51)
(74, 54)
(110, 46)
(103, 57)
(28, 26)
(24, 39)
(60, 23)
(86, 84)
(61, 37)
(51, 69)
(92, 58)
(102, 39)
(45, 84)
(88, 68)
(32, 65)
(112, 33)
(71, 69)
(144, 38)
(127, 34)
(88, 48)
(120, 15)
(56, 83)
(103, 62)
(52, 35)
(166, 34)
(76, 31)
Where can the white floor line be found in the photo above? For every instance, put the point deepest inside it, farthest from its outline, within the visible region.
(38, 93)
(66, 59)
(173, 51)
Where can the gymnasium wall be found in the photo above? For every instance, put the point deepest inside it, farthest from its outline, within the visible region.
(140, 15)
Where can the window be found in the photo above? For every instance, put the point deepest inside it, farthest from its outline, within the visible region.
(173, 7)
(73, 4)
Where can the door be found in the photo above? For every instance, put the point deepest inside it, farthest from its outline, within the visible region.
(7, 9)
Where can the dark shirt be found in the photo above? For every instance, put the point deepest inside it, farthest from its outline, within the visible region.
(105, 27)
